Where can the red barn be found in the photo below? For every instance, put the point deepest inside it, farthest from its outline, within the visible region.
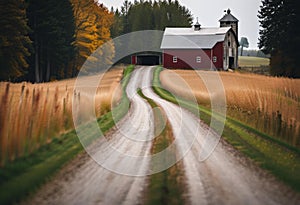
(202, 48)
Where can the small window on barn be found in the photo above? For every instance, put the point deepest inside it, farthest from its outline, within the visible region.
(215, 59)
(198, 59)
(229, 43)
(175, 59)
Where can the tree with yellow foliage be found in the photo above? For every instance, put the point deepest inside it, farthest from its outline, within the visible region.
(93, 22)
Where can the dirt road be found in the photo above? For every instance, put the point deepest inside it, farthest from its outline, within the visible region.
(225, 177)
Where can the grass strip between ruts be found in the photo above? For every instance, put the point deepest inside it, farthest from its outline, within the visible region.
(281, 159)
(166, 187)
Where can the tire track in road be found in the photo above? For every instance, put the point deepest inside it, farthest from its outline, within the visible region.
(225, 177)
(83, 181)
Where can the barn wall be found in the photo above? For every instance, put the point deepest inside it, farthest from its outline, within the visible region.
(218, 52)
(133, 59)
(230, 50)
(187, 58)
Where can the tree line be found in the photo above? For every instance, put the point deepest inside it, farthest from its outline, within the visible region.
(49, 40)
(254, 53)
(280, 35)
(149, 15)
(45, 40)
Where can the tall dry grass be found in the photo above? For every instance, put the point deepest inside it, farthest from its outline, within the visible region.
(270, 104)
(33, 114)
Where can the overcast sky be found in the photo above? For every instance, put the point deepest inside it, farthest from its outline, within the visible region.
(209, 13)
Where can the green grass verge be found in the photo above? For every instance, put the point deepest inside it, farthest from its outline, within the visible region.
(23, 176)
(279, 158)
(166, 187)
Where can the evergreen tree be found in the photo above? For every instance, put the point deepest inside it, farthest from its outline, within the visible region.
(178, 15)
(14, 41)
(140, 16)
(117, 26)
(279, 35)
(157, 17)
(124, 11)
(148, 15)
(52, 25)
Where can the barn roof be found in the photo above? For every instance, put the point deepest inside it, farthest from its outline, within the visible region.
(188, 38)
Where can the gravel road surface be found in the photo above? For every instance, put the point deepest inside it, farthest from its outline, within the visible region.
(226, 177)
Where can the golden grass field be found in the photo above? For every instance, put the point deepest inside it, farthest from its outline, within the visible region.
(33, 114)
(269, 104)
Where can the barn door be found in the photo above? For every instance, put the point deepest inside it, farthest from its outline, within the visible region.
(231, 62)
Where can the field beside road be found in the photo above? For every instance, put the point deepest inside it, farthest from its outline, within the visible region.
(268, 104)
(128, 166)
(38, 135)
(250, 61)
(154, 150)
(33, 114)
(279, 155)
(254, 65)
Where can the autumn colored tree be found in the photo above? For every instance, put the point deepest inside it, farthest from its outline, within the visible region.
(93, 22)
